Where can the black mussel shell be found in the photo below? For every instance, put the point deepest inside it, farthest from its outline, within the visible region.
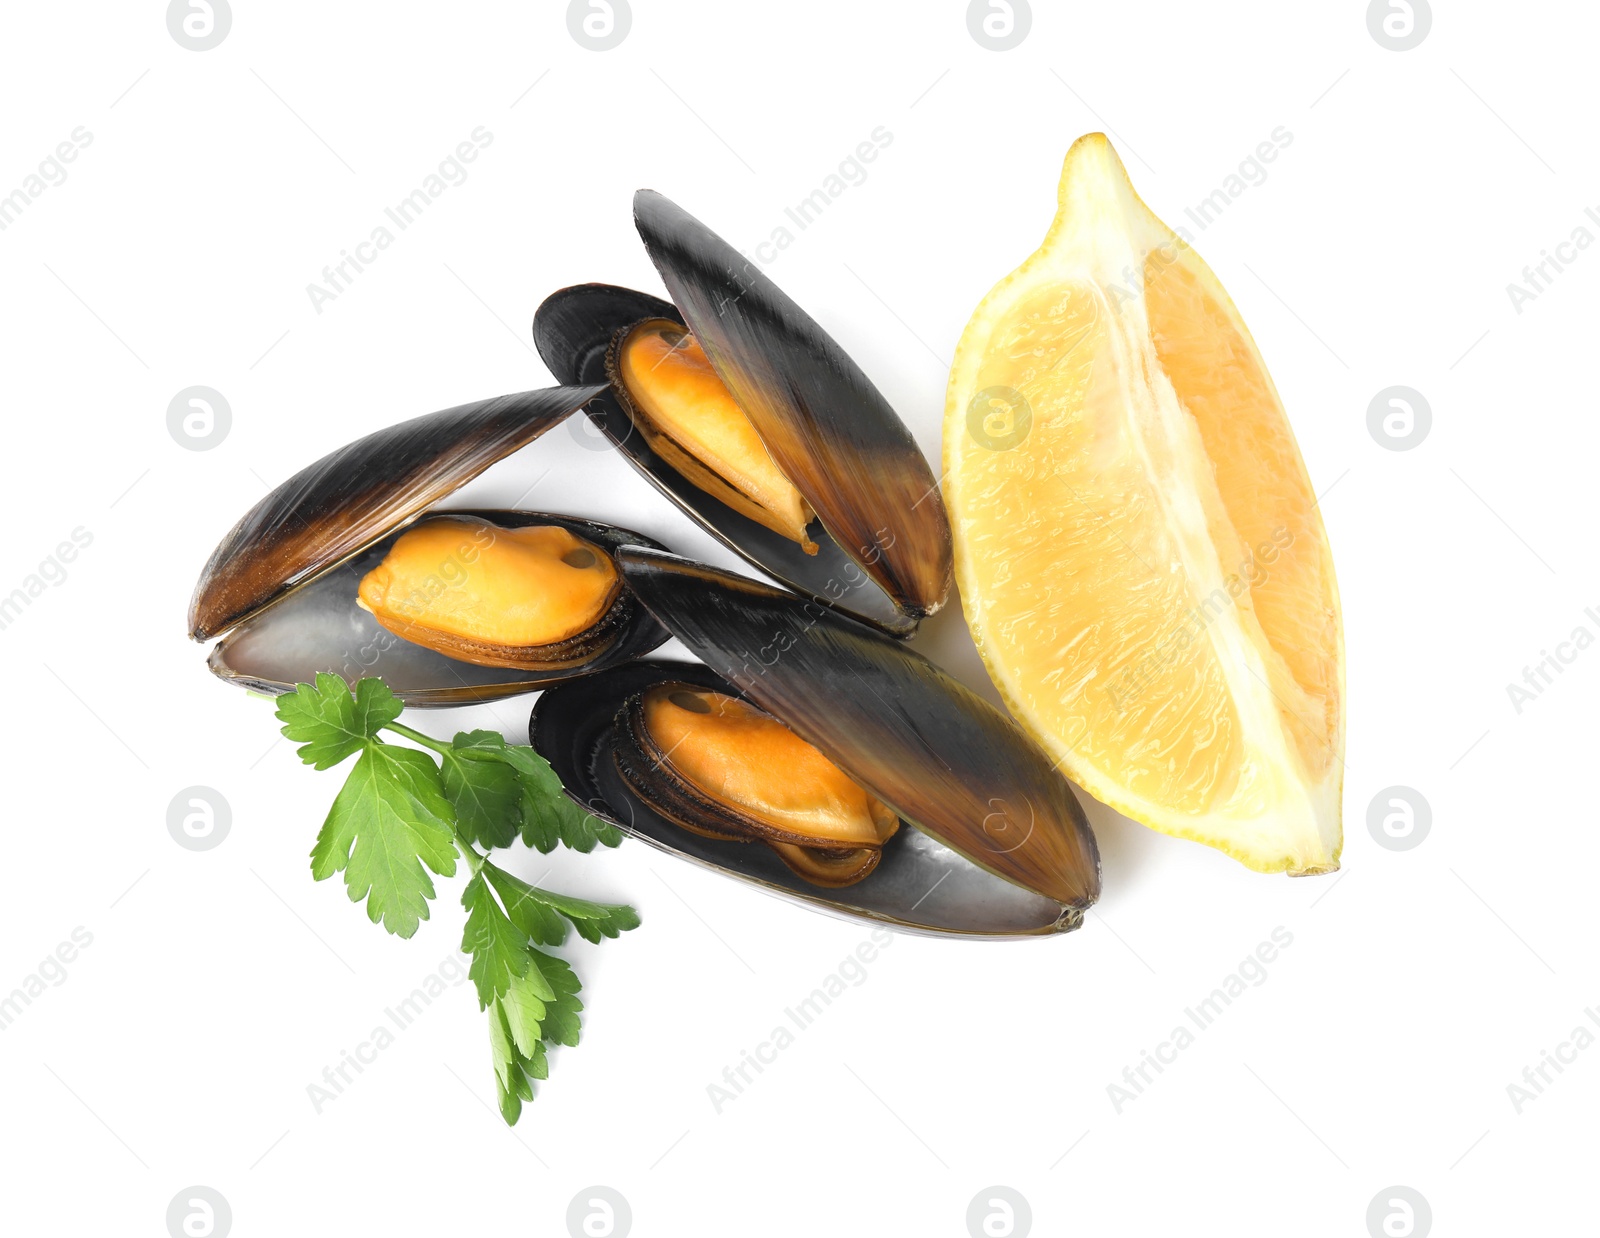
(319, 627)
(573, 329)
(827, 427)
(937, 753)
(920, 884)
(331, 509)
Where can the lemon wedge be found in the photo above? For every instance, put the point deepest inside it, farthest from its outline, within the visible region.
(1137, 543)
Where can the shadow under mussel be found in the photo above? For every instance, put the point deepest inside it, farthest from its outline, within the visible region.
(986, 838)
(343, 569)
(740, 408)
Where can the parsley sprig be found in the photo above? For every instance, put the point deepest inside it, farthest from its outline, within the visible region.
(406, 815)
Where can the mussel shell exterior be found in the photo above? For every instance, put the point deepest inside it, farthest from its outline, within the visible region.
(319, 627)
(828, 428)
(920, 885)
(937, 753)
(573, 329)
(336, 507)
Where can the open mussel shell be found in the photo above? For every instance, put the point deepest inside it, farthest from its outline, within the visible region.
(336, 507)
(826, 426)
(908, 732)
(319, 627)
(919, 885)
(886, 555)
(573, 329)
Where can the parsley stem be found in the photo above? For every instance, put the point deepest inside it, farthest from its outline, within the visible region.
(427, 741)
(475, 859)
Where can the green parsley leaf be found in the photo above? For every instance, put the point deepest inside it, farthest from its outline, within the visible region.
(518, 1053)
(561, 1021)
(539, 1007)
(330, 723)
(541, 819)
(512, 1086)
(528, 907)
(523, 1009)
(548, 815)
(581, 830)
(485, 790)
(539, 913)
(596, 920)
(399, 817)
(390, 819)
(549, 818)
(499, 949)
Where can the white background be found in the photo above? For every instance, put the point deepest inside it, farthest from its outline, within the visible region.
(219, 984)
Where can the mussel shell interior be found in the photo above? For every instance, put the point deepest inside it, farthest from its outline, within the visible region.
(920, 885)
(319, 627)
(573, 329)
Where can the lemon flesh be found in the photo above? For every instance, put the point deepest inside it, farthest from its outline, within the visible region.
(1137, 543)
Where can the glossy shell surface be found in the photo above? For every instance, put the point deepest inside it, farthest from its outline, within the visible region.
(941, 756)
(338, 506)
(921, 885)
(827, 427)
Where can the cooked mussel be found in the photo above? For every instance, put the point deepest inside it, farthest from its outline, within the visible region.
(879, 547)
(664, 381)
(451, 615)
(322, 626)
(534, 597)
(999, 845)
(719, 766)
